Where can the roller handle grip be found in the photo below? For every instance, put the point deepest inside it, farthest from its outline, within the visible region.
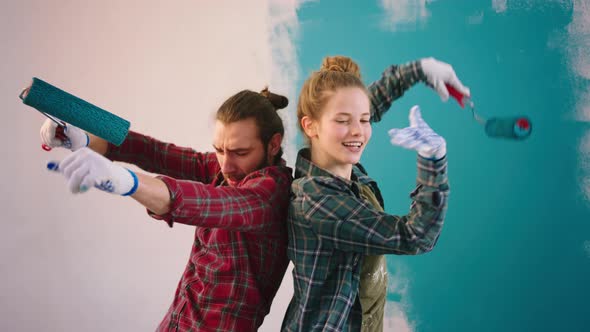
(456, 94)
(59, 134)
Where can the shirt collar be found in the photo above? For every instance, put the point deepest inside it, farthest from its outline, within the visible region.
(304, 167)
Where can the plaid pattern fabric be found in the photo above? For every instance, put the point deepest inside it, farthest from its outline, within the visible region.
(394, 82)
(332, 228)
(165, 158)
(239, 257)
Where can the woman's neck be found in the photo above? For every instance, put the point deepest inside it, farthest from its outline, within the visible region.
(321, 159)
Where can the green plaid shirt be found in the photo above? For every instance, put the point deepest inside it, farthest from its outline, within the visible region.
(331, 227)
(392, 85)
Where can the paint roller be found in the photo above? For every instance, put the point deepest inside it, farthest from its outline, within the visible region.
(515, 127)
(62, 107)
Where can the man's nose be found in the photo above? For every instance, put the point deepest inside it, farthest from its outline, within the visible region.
(227, 165)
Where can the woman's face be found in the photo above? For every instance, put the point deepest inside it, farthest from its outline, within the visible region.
(342, 131)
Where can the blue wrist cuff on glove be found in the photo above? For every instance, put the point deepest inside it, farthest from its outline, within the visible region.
(135, 184)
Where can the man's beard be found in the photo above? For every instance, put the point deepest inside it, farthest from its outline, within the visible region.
(264, 163)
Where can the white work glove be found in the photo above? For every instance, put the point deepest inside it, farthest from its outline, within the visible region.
(85, 169)
(73, 138)
(420, 137)
(438, 73)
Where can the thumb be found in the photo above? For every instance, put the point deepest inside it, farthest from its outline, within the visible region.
(48, 134)
(415, 117)
(53, 166)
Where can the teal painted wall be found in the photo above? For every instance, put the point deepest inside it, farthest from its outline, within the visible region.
(513, 255)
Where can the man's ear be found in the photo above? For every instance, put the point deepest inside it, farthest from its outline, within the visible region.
(309, 126)
(274, 145)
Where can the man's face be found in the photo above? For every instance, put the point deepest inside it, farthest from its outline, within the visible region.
(239, 149)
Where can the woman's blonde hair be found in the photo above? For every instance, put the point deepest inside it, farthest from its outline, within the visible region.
(336, 72)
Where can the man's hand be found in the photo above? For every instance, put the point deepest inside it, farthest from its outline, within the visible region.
(72, 138)
(85, 169)
(420, 137)
(438, 74)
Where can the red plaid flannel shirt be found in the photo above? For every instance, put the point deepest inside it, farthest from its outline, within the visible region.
(239, 255)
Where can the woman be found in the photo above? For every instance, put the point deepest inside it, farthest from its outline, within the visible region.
(336, 217)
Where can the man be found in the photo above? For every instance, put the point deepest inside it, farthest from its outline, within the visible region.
(237, 199)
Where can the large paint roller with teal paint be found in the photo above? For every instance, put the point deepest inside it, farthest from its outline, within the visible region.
(57, 103)
(515, 128)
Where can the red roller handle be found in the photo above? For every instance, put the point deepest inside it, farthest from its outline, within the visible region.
(456, 94)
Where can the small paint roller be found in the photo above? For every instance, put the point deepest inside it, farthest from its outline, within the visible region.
(516, 127)
(62, 107)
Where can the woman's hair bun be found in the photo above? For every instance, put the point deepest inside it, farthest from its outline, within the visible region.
(341, 64)
(278, 101)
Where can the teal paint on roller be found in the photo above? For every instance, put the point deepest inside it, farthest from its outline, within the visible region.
(53, 101)
(515, 128)
(510, 128)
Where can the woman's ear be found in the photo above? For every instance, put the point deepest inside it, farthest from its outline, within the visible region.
(309, 126)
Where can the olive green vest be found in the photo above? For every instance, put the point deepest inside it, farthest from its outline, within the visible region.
(373, 279)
